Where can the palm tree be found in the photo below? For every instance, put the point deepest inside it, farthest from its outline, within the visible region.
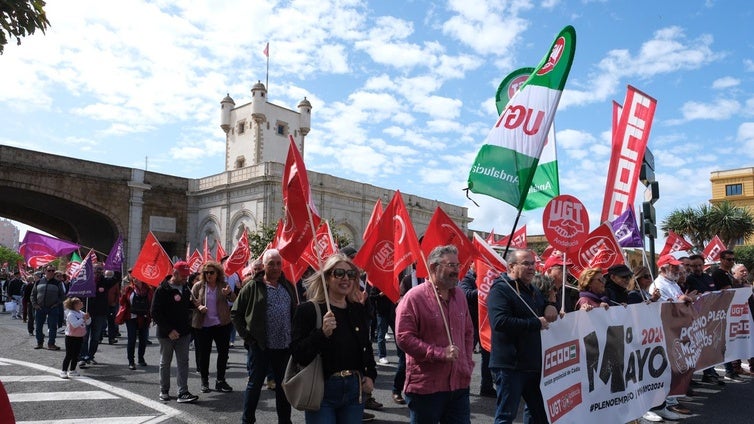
(699, 225)
(731, 223)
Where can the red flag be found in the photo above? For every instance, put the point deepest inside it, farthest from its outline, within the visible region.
(519, 239)
(390, 248)
(205, 254)
(267, 50)
(322, 243)
(712, 251)
(629, 143)
(153, 264)
(599, 249)
(240, 255)
(376, 215)
(442, 231)
(220, 253)
(301, 217)
(491, 237)
(488, 266)
(195, 261)
(675, 243)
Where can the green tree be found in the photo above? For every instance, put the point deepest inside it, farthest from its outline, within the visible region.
(258, 240)
(9, 256)
(701, 224)
(731, 223)
(20, 18)
(745, 255)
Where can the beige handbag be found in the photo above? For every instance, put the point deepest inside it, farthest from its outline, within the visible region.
(305, 386)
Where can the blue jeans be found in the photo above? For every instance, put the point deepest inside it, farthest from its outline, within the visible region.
(382, 325)
(399, 380)
(512, 385)
(51, 316)
(441, 407)
(91, 339)
(340, 404)
(257, 363)
(486, 373)
(134, 332)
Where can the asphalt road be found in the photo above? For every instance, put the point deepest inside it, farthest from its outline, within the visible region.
(112, 393)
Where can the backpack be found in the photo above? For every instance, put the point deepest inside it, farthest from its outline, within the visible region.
(140, 304)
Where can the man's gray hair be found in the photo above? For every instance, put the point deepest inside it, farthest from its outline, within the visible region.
(512, 256)
(435, 256)
(270, 254)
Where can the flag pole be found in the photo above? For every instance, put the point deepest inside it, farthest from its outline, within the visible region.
(267, 74)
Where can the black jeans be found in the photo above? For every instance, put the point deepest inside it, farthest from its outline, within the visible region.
(257, 363)
(220, 334)
(134, 333)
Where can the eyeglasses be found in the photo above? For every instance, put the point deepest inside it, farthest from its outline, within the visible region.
(209, 272)
(340, 273)
(728, 259)
(455, 265)
(526, 263)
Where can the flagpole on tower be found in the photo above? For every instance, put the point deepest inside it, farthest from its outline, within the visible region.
(267, 74)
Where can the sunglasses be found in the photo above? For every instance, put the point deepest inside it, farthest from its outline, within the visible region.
(209, 272)
(340, 273)
(645, 276)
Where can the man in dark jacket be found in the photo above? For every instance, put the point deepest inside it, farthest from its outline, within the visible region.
(468, 285)
(616, 285)
(46, 297)
(98, 309)
(172, 308)
(263, 316)
(516, 359)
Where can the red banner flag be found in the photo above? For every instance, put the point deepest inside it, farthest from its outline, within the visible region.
(322, 243)
(374, 218)
(519, 239)
(599, 249)
(220, 253)
(488, 266)
(442, 231)
(301, 216)
(195, 261)
(491, 237)
(153, 264)
(240, 255)
(675, 243)
(389, 248)
(629, 143)
(712, 251)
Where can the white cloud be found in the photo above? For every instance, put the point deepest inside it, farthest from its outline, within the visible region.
(720, 110)
(725, 82)
(746, 137)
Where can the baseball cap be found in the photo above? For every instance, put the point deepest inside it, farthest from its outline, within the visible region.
(183, 268)
(668, 260)
(620, 270)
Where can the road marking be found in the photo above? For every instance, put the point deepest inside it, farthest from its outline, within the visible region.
(110, 420)
(53, 396)
(28, 378)
(128, 395)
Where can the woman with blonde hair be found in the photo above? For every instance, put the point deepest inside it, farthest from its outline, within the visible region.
(342, 341)
(592, 290)
(212, 322)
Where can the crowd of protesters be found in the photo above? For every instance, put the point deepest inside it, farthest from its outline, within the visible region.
(273, 316)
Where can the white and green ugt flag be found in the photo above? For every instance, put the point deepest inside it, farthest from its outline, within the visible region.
(504, 166)
(546, 184)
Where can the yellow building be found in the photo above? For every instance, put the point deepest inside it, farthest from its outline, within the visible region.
(735, 186)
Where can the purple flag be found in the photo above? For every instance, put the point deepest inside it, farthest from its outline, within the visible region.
(114, 260)
(82, 282)
(626, 231)
(39, 250)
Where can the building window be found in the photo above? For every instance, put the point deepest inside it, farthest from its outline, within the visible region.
(240, 162)
(281, 128)
(241, 127)
(734, 189)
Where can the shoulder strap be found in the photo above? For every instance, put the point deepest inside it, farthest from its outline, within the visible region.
(319, 315)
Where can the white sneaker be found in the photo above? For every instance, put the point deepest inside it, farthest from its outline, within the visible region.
(383, 361)
(651, 416)
(63, 374)
(669, 415)
(388, 337)
(73, 373)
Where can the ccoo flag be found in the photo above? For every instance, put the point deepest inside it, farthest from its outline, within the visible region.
(546, 183)
(504, 166)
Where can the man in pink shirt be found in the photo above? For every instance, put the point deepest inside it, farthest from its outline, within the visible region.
(438, 370)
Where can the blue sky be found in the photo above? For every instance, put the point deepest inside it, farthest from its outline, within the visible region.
(402, 91)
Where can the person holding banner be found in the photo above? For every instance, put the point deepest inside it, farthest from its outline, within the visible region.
(517, 312)
(666, 282)
(639, 285)
(438, 355)
(592, 290)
